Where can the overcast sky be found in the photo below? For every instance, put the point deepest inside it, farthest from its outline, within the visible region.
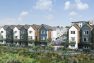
(51, 12)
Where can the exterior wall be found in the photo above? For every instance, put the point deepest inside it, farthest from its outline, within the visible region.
(37, 35)
(43, 36)
(49, 35)
(32, 34)
(87, 36)
(9, 35)
(59, 31)
(17, 33)
(23, 36)
(54, 35)
(93, 38)
(3, 35)
(76, 35)
(85, 28)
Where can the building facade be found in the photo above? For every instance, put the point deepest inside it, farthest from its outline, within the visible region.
(74, 36)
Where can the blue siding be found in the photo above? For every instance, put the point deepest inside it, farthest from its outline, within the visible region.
(43, 33)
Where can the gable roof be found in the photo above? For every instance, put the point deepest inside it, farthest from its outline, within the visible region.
(76, 26)
(12, 26)
(35, 27)
(5, 27)
(26, 26)
(88, 26)
(46, 26)
(18, 26)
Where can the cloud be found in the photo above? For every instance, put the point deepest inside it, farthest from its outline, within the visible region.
(67, 5)
(73, 13)
(8, 21)
(81, 5)
(44, 5)
(49, 17)
(16, 20)
(23, 15)
(78, 4)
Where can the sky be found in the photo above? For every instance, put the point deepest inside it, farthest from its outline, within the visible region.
(50, 12)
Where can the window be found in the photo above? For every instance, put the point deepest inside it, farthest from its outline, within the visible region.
(85, 32)
(22, 37)
(1, 39)
(1, 31)
(43, 31)
(30, 31)
(30, 37)
(43, 38)
(72, 32)
(15, 31)
(22, 32)
(73, 45)
(85, 39)
(16, 37)
(73, 38)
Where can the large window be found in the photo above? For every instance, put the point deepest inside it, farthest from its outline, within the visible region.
(1, 31)
(30, 37)
(43, 38)
(30, 32)
(15, 31)
(43, 32)
(86, 32)
(72, 45)
(16, 37)
(72, 32)
(73, 38)
(85, 39)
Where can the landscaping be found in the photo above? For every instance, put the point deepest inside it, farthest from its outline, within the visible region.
(41, 55)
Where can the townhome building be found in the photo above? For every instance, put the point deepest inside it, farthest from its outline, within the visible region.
(93, 37)
(16, 34)
(9, 34)
(36, 28)
(74, 36)
(86, 36)
(31, 33)
(45, 33)
(53, 34)
(57, 32)
(80, 23)
(3, 35)
(23, 36)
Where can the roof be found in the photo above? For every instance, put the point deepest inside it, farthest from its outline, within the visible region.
(5, 26)
(76, 26)
(90, 26)
(26, 26)
(12, 26)
(35, 27)
(18, 26)
(53, 28)
(46, 26)
(80, 22)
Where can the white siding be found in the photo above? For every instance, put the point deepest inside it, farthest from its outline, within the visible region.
(32, 33)
(54, 35)
(17, 33)
(59, 32)
(73, 35)
(3, 35)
